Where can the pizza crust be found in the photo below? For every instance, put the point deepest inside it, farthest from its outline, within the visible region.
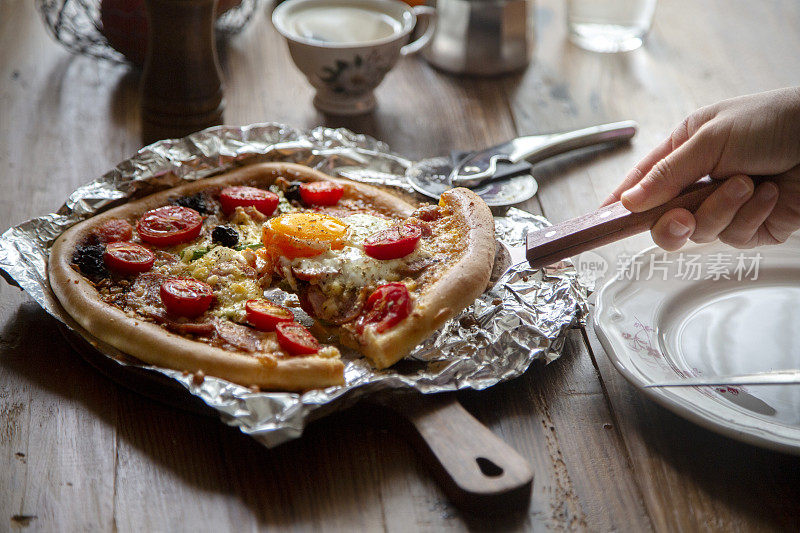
(156, 345)
(460, 285)
(153, 344)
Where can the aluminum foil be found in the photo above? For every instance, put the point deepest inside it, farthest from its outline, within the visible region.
(524, 317)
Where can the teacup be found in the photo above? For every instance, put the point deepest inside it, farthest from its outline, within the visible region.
(346, 47)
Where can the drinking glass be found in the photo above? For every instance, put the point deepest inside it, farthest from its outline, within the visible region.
(609, 25)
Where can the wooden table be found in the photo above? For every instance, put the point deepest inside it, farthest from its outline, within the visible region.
(81, 453)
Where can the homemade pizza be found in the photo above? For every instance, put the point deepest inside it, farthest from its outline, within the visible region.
(180, 278)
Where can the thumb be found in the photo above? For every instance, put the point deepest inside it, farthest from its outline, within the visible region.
(688, 163)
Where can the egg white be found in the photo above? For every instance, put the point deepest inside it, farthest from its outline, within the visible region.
(338, 271)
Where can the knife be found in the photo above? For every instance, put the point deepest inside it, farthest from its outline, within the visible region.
(772, 377)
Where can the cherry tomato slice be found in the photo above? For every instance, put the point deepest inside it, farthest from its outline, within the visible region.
(114, 230)
(128, 257)
(393, 243)
(385, 307)
(186, 296)
(265, 315)
(242, 196)
(169, 225)
(321, 193)
(296, 339)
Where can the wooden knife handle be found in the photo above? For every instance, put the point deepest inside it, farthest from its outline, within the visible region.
(606, 225)
(477, 470)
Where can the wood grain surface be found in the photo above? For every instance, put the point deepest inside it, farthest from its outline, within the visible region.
(80, 453)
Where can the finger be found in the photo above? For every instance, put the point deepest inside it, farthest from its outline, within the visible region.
(673, 229)
(743, 229)
(785, 217)
(678, 136)
(641, 168)
(719, 209)
(691, 161)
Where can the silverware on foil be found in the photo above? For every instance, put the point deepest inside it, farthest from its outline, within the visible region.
(501, 174)
(522, 318)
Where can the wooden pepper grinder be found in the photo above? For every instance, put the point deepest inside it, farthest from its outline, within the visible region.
(182, 84)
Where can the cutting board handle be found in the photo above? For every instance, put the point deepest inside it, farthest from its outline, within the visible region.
(476, 469)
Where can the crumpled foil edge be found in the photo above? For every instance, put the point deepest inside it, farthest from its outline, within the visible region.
(522, 318)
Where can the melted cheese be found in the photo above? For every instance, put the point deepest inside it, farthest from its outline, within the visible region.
(350, 268)
(336, 271)
(229, 275)
(225, 269)
(249, 230)
(283, 204)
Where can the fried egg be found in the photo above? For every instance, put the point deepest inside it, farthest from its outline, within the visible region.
(349, 268)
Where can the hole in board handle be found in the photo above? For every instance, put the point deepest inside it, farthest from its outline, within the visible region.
(488, 467)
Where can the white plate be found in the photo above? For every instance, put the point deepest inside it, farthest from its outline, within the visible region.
(669, 322)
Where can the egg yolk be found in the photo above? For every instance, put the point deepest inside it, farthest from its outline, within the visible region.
(303, 234)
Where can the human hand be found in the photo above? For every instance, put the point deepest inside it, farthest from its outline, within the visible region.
(755, 135)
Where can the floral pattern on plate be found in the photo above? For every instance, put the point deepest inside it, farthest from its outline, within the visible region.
(657, 328)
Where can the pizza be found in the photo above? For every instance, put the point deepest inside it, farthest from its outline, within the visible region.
(182, 278)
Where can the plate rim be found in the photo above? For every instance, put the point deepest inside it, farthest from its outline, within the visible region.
(700, 416)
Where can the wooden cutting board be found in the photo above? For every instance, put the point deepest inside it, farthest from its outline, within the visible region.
(478, 471)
